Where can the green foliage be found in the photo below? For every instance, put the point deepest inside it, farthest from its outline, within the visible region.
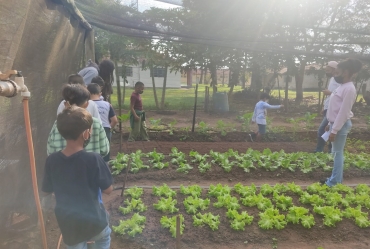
(206, 219)
(132, 226)
(171, 224)
(283, 202)
(361, 218)
(222, 127)
(332, 215)
(245, 191)
(239, 220)
(228, 201)
(314, 200)
(134, 192)
(309, 119)
(271, 218)
(119, 163)
(171, 126)
(246, 119)
(133, 205)
(193, 204)
(259, 200)
(198, 158)
(163, 190)
(218, 190)
(300, 215)
(136, 163)
(155, 157)
(204, 167)
(193, 190)
(160, 165)
(222, 159)
(166, 205)
(203, 128)
(156, 123)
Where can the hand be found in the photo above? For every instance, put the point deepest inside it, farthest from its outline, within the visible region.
(253, 122)
(327, 128)
(332, 137)
(322, 112)
(326, 92)
(137, 118)
(281, 106)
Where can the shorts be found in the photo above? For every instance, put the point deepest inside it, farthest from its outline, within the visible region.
(261, 129)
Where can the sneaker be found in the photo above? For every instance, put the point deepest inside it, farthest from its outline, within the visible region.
(322, 182)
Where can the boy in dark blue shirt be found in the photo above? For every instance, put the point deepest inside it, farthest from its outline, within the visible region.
(75, 177)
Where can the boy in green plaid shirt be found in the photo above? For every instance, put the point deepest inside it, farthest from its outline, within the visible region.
(78, 95)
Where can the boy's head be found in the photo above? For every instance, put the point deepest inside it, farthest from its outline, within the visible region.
(98, 80)
(139, 87)
(76, 95)
(76, 79)
(94, 89)
(264, 97)
(74, 123)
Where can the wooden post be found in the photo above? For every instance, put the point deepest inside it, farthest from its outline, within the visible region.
(178, 235)
(206, 99)
(119, 97)
(125, 180)
(195, 107)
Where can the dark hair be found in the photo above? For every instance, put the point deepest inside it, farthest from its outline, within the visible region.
(264, 96)
(98, 80)
(72, 121)
(75, 94)
(76, 79)
(106, 72)
(94, 88)
(139, 83)
(90, 63)
(352, 65)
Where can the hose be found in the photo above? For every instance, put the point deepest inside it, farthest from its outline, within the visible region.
(60, 241)
(33, 170)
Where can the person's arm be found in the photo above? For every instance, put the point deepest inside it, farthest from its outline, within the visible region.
(112, 117)
(103, 141)
(105, 179)
(132, 104)
(349, 98)
(326, 92)
(267, 106)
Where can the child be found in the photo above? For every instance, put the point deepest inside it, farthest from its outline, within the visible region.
(75, 79)
(259, 115)
(79, 95)
(137, 115)
(106, 112)
(75, 177)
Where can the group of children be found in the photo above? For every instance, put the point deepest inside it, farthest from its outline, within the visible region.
(78, 149)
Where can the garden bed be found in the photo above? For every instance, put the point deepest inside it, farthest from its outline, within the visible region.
(346, 234)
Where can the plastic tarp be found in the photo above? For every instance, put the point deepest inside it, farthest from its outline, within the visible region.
(47, 41)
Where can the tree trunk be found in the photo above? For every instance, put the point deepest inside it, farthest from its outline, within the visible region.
(299, 77)
(206, 81)
(256, 81)
(189, 77)
(213, 71)
(154, 88)
(201, 75)
(223, 77)
(164, 86)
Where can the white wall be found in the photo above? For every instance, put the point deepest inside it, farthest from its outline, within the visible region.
(173, 80)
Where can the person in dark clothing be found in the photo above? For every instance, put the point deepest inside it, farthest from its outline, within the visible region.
(137, 115)
(76, 177)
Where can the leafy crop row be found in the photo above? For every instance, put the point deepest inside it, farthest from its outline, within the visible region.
(275, 203)
(250, 160)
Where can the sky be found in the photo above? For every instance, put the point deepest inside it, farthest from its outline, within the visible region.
(147, 4)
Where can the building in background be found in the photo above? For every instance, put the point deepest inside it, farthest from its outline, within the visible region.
(135, 74)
